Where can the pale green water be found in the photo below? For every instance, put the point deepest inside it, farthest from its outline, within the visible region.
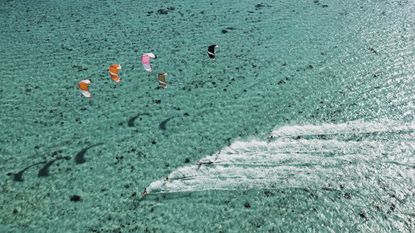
(332, 81)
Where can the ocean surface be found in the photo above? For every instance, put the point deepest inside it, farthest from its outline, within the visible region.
(304, 122)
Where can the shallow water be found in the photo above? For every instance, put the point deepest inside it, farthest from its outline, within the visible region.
(303, 123)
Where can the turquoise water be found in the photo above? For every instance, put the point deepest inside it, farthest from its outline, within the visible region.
(303, 123)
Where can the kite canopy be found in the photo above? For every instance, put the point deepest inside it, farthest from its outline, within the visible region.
(84, 88)
(146, 59)
(211, 51)
(162, 79)
(114, 71)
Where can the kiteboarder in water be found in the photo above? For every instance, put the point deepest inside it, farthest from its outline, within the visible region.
(145, 60)
(211, 51)
(145, 193)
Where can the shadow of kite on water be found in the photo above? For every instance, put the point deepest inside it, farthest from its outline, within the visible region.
(44, 171)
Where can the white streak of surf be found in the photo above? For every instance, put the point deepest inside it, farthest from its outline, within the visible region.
(353, 127)
(287, 161)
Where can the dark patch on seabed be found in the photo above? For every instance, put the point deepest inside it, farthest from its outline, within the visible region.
(317, 2)
(259, 6)
(165, 11)
(75, 198)
(227, 29)
(79, 68)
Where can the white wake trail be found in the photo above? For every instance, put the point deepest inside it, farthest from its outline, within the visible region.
(291, 161)
(353, 127)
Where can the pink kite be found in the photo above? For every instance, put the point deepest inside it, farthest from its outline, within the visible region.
(145, 60)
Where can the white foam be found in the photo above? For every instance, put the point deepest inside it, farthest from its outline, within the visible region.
(353, 127)
(288, 161)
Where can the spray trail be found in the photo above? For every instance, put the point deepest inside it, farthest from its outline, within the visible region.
(298, 156)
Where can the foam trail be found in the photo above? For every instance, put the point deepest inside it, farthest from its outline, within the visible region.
(352, 127)
(292, 161)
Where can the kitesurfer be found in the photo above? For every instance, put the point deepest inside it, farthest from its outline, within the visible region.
(144, 193)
